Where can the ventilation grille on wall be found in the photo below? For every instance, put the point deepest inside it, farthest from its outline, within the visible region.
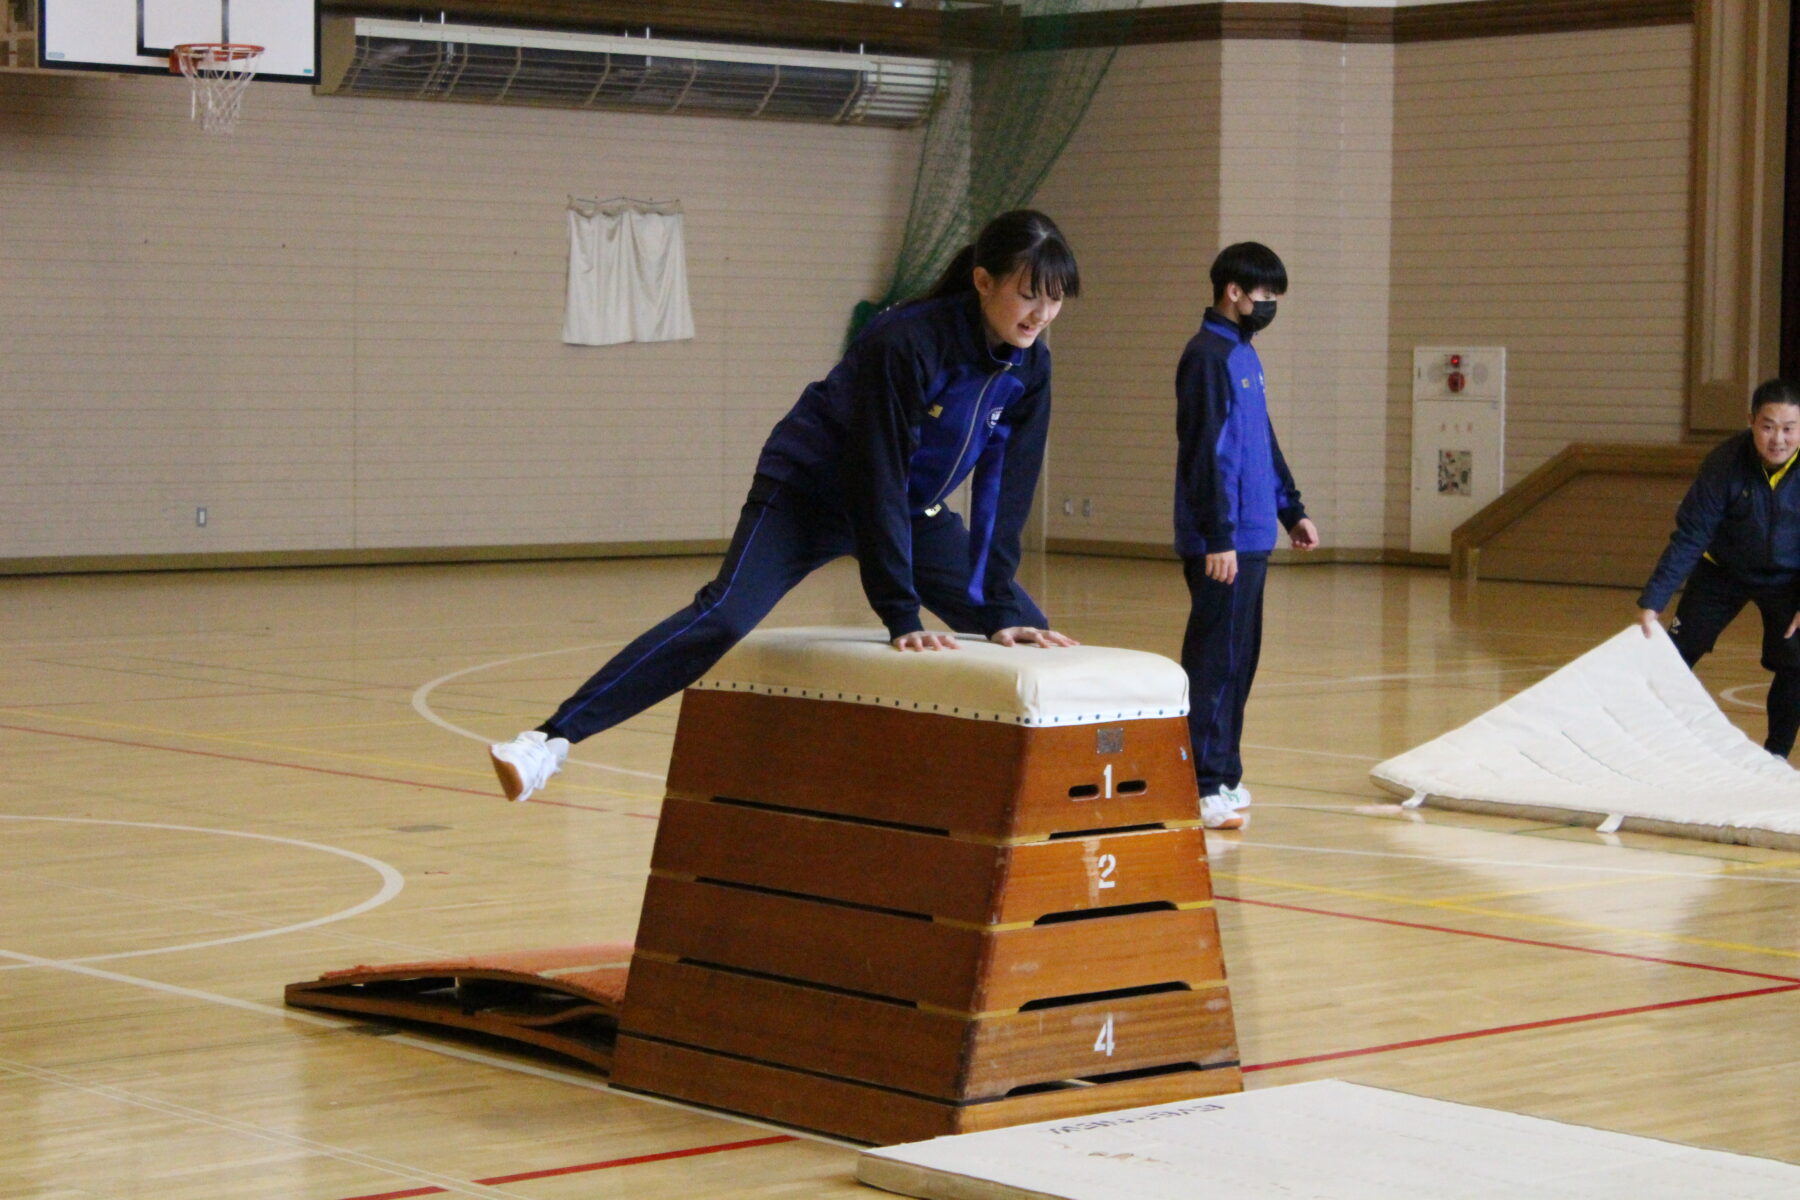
(419, 61)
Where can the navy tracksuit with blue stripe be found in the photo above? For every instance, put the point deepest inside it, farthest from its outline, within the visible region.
(861, 465)
(1232, 492)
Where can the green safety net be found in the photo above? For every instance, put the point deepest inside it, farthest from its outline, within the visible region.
(1000, 125)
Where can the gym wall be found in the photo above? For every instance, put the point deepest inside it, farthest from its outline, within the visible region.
(1527, 191)
(1188, 147)
(338, 328)
(1541, 200)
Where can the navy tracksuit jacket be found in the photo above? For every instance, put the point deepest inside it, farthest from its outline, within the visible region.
(1232, 492)
(1737, 542)
(1232, 486)
(1733, 516)
(861, 465)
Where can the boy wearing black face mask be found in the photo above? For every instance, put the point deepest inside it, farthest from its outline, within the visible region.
(1232, 488)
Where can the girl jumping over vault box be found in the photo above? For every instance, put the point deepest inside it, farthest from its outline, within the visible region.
(931, 391)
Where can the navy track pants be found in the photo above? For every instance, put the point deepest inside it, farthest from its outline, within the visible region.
(1711, 600)
(1219, 654)
(783, 535)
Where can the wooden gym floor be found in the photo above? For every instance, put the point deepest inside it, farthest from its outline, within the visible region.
(216, 784)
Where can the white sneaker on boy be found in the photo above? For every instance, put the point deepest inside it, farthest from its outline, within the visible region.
(1239, 796)
(1218, 812)
(526, 763)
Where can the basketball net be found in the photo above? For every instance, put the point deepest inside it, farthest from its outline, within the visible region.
(220, 73)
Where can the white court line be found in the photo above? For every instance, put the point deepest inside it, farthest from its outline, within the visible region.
(421, 703)
(1721, 876)
(473, 1056)
(1731, 695)
(261, 1133)
(1314, 753)
(1474, 668)
(391, 884)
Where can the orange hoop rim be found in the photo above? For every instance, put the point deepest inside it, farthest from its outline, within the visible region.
(216, 52)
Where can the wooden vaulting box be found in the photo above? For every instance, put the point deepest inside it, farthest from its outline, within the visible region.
(895, 896)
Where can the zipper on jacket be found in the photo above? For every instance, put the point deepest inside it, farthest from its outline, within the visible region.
(969, 436)
(1769, 525)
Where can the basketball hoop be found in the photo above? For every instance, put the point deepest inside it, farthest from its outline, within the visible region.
(220, 73)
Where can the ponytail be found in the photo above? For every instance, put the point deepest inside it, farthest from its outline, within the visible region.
(1019, 240)
(958, 277)
(1023, 239)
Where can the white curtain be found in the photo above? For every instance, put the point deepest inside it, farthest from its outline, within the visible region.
(627, 274)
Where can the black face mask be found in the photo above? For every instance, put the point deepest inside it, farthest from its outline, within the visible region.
(1261, 313)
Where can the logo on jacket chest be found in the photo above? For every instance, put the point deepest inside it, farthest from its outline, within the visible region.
(993, 417)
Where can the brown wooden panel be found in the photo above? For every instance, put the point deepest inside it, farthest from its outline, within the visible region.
(878, 1115)
(1510, 18)
(931, 1053)
(989, 30)
(1347, 24)
(1559, 493)
(1102, 1097)
(870, 952)
(854, 1037)
(1102, 954)
(819, 856)
(962, 969)
(919, 30)
(1071, 874)
(943, 876)
(1211, 23)
(1072, 1041)
(937, 772)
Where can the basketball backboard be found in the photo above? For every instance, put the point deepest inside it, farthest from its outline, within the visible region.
(137, 35)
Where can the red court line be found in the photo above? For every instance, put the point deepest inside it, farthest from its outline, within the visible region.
(1517, 941)
(1499, 1029)
(582, 1168)
(261, 762)
(563, 804)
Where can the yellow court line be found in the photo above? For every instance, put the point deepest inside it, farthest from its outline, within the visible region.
(1528, 918)
(282, 730)
(225, 739)
(1476, 897)
(1774, 864)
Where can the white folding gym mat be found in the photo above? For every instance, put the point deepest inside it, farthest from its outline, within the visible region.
(1623, 737)
(1325, 1140)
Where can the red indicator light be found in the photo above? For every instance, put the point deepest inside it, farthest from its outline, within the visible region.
(1456, 360)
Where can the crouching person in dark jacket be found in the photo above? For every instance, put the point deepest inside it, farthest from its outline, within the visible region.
(1737, 542)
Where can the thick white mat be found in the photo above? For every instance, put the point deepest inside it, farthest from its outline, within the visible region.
(1624, 736)
(1325, 1140)
(1018, 685)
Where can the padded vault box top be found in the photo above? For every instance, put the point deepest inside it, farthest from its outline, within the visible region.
(1015, 685)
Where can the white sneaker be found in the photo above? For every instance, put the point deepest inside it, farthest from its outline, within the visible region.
(1218, 812)
(1239, 796)
(526, 763)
